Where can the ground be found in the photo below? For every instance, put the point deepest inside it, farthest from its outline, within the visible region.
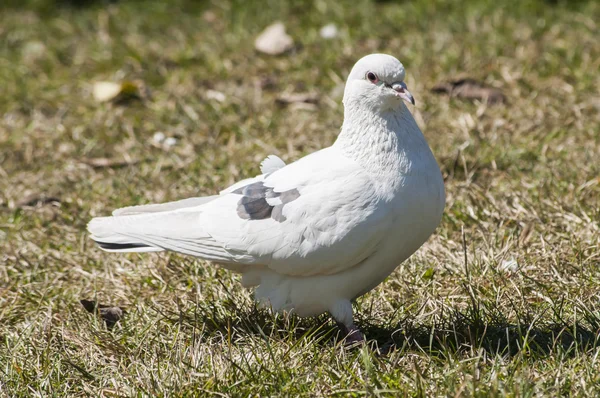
(503, 300)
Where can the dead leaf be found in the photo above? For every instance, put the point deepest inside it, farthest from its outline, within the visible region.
(293, 98)
(470, 89)
(106, 91)
(99, 163)
(37, 199)
(525, 234)
(110, 91)
(110, 314)
(303, 106)
(273, 40)
(215, 95)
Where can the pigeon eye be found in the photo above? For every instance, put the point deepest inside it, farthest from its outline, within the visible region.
(372, 77)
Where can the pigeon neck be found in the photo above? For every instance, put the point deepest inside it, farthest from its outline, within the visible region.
(384, 143)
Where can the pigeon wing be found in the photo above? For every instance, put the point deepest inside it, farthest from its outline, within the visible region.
(317, 216)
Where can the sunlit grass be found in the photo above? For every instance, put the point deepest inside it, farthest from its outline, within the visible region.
(503, 300)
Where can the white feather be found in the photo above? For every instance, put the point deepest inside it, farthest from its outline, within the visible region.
(271, 164)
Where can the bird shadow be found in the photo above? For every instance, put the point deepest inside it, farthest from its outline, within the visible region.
(459, 332)
(229, 319)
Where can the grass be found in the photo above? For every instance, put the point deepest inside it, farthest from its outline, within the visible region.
(504, 300)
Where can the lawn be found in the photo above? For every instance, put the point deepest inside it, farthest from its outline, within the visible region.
(503, 300)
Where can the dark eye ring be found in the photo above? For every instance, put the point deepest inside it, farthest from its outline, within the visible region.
(372, 77)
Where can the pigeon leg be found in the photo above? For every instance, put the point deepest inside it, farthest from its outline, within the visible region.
(342, 313)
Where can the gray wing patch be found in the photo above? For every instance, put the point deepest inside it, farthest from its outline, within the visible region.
(260, 202)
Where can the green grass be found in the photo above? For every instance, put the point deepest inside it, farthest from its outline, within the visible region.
(522, 183)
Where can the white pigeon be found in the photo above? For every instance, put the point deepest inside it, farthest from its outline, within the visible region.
(315, 234)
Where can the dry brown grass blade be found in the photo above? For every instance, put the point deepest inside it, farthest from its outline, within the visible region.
(99, 163)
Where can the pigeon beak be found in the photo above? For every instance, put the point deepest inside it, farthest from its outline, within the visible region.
(402, 92)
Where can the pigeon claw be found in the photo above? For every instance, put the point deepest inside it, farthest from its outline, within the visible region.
(353, 335)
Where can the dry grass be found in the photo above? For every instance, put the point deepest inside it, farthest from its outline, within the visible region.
(503, 300)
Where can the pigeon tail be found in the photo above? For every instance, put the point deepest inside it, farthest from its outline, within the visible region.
(109, 239)
(126, 247)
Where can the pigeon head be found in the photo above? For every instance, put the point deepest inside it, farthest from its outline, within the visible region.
(377, 81)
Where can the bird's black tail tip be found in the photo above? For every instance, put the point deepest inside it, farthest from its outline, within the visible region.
(120, 246)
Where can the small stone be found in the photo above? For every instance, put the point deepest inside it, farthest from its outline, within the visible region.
(329, 31)
(169, 142)
(158, 137)
(109, 314)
